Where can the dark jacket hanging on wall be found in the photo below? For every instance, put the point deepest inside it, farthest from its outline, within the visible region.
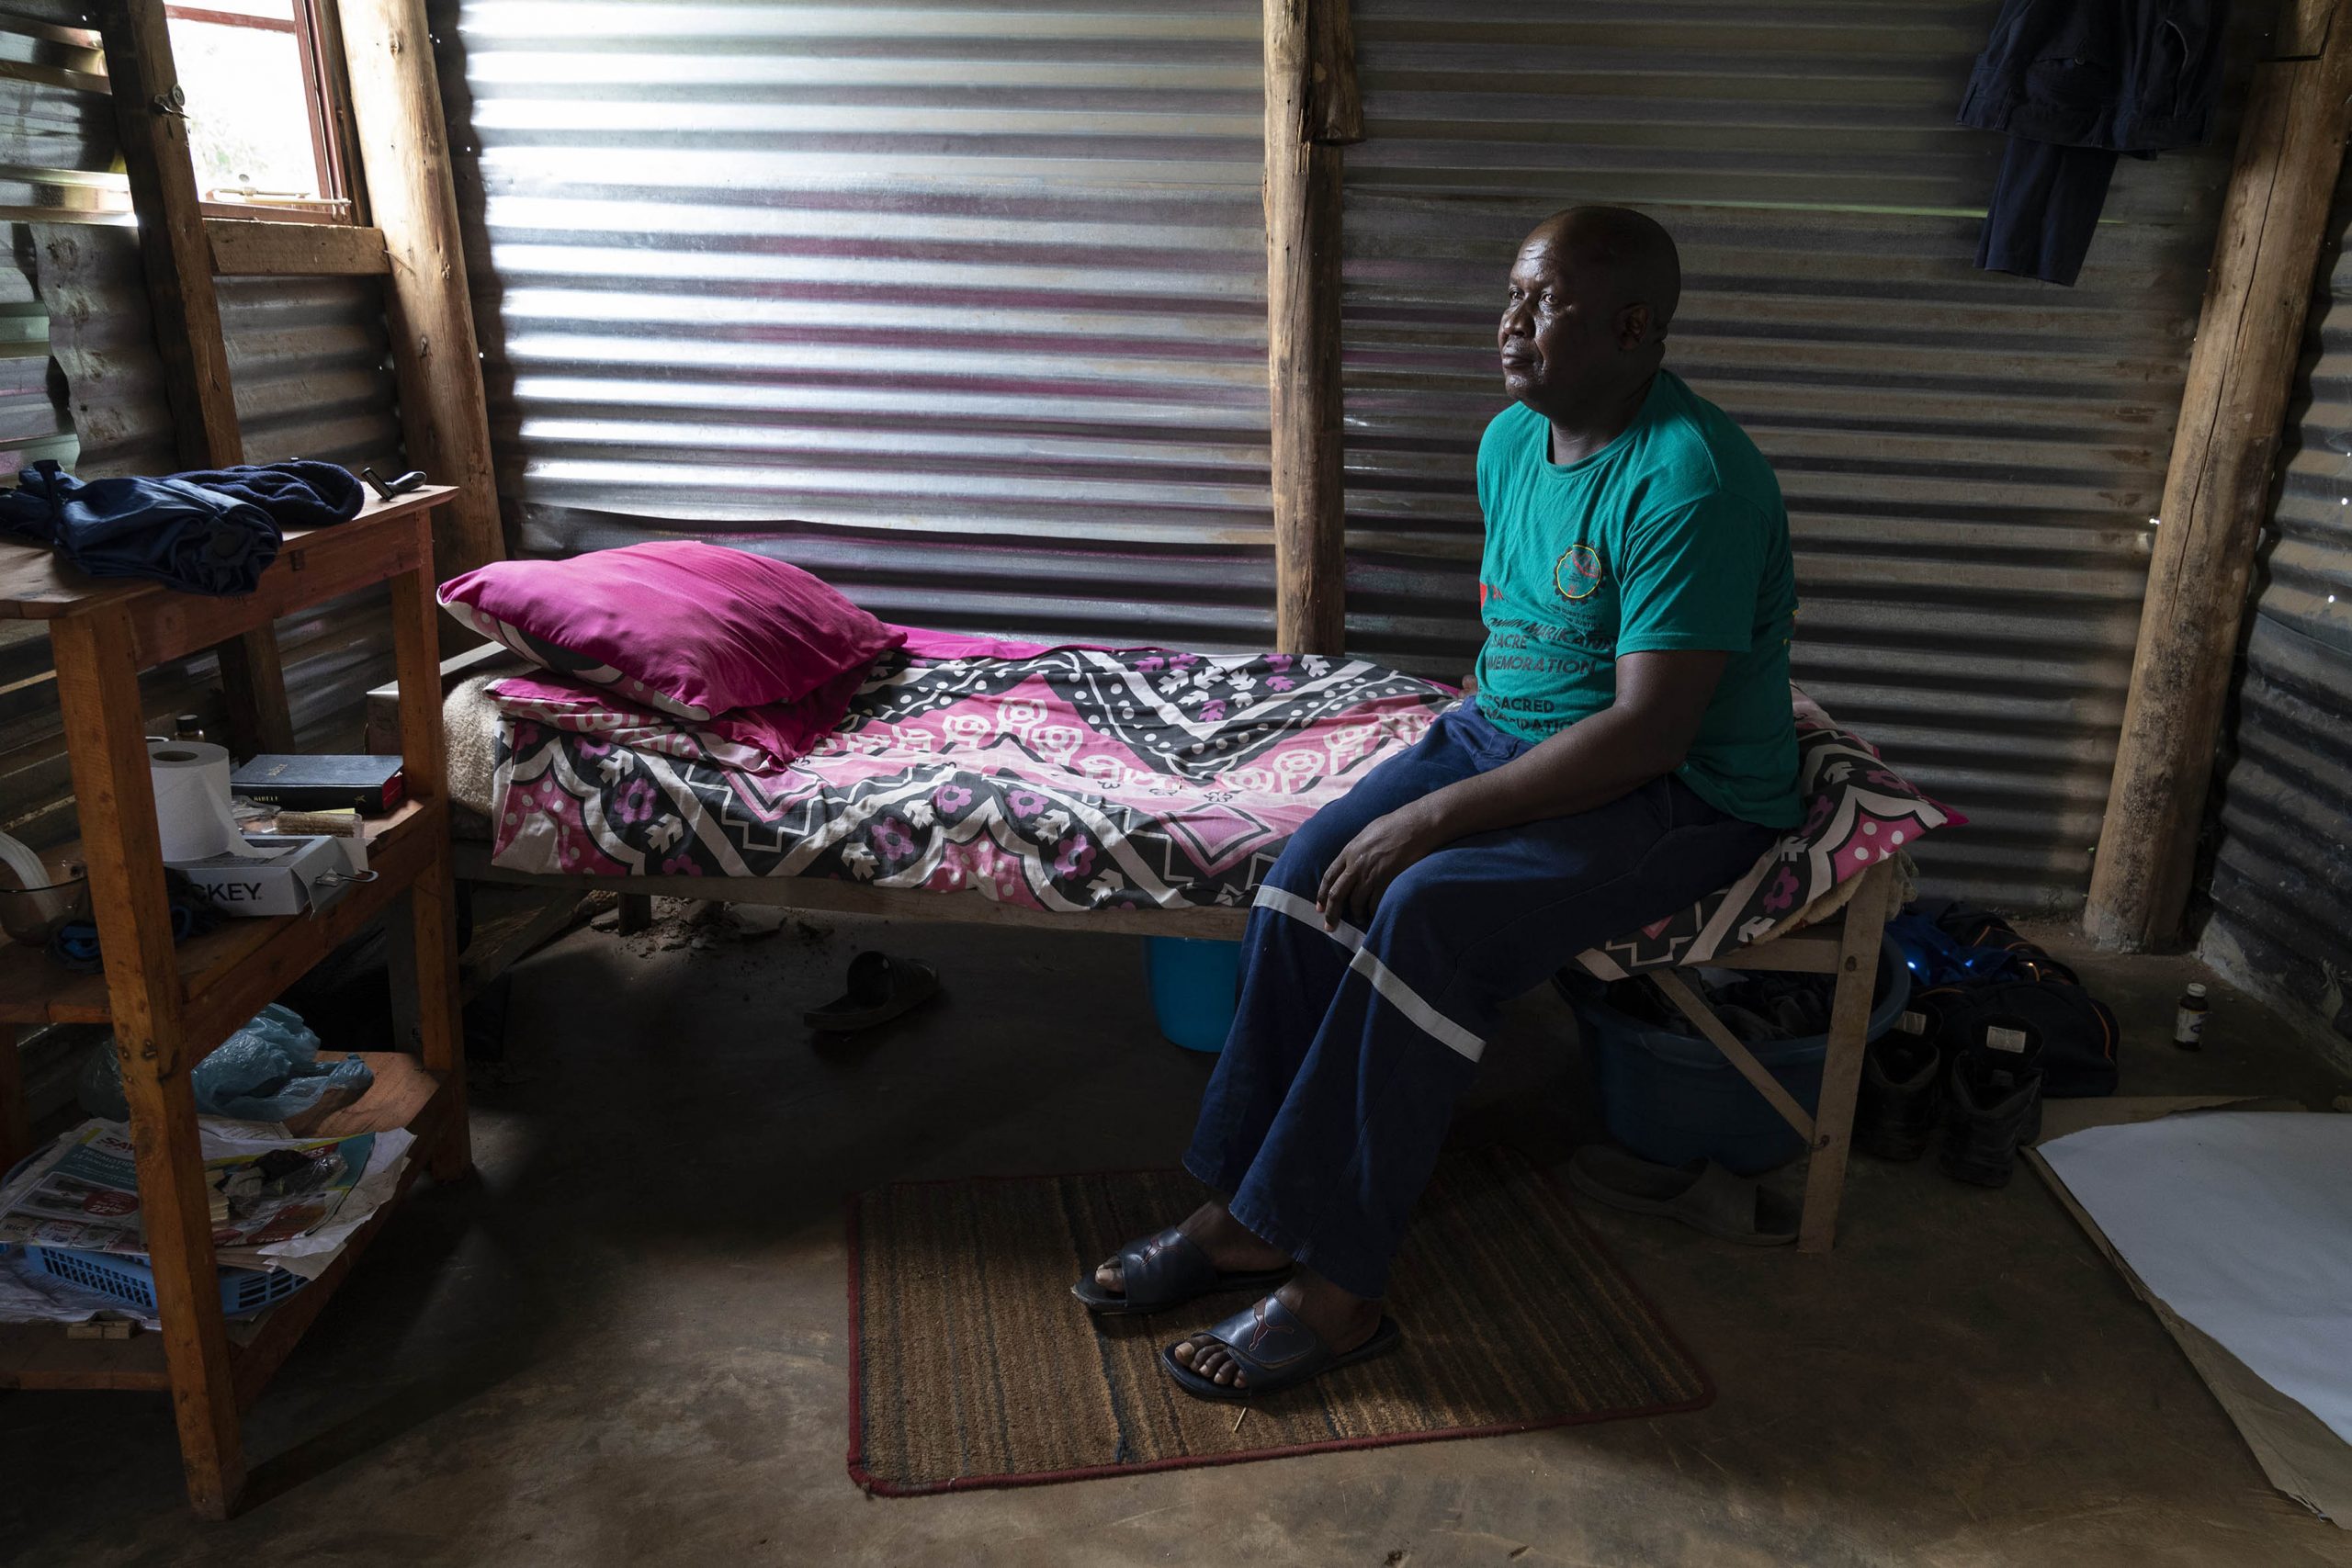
(2074, 82)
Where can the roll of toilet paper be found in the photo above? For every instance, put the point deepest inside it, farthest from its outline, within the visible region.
(24, 865)
(192, 800)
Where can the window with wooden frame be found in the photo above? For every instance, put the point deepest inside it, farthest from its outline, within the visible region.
(262, 99)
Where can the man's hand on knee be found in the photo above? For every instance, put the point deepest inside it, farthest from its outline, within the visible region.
(1384, 850)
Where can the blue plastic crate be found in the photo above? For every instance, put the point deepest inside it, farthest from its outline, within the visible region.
(1674, 1098)
(244, 1291)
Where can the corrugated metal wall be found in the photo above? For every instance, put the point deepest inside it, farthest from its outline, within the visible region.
(2281, 882)
(1970, 461)
(80, 381)
(973, 296)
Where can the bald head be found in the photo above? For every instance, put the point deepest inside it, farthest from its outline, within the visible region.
(1628, 255)
(1583, 329)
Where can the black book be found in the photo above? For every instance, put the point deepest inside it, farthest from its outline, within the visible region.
(329, 782)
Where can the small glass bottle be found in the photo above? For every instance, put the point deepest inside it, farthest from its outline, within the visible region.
(2188, 1020)
(188, 726)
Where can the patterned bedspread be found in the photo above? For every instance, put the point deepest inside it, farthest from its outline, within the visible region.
(1075, 779)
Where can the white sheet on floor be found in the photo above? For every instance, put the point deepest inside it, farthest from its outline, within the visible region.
(2241, 1222)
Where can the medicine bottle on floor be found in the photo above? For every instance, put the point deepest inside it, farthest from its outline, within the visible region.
(2189, 1021)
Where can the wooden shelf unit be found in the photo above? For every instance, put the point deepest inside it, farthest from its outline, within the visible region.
(170, 1005)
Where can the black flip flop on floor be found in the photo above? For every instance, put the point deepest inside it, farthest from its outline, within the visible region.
(880, 988)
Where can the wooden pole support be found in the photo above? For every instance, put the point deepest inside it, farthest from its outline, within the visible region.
(97, 683)
(176, 254)
(2249, 337)
(432, 899)
(1841, 1068)
(1312, 109)
(444, 415)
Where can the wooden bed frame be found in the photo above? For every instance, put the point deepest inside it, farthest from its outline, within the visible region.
(1845, 946)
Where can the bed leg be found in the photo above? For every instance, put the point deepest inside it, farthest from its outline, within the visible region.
(636, 914)
(1841, 1072)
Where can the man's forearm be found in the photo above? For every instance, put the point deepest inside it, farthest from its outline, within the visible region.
(1591, 763)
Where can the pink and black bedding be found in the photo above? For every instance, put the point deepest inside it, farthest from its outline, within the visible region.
(1070, 779)
(1063, 779)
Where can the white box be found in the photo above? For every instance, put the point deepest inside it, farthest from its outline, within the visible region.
(282, 880)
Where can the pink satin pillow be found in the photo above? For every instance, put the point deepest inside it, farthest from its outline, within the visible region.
(684, 627)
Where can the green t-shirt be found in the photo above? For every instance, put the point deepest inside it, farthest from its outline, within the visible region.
(1671, 537)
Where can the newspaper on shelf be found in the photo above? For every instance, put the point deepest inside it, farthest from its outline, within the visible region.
(277, 1200)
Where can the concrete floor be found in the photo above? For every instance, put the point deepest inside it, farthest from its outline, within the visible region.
(624, 1345)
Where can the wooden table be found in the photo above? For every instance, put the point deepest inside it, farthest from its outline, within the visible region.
(170, 1006)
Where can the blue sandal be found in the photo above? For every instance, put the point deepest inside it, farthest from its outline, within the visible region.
(1275, 1350)
(1165, 1270)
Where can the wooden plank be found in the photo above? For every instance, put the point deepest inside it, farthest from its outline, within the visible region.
(98, 687)
(2303, 29)
(396, 103)
(432, 893)
(2241, 369)
(1307, 95)
(179, 262)
(249, 247)
(859, 898)
(1841, 1069)
(252, 687)
(171, 234)
(35, 585)
(1694, 1006)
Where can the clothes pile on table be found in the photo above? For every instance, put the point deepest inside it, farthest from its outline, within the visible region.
(208, 531)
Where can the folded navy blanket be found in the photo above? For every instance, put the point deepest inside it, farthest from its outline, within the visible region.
(298, 494)
(206, 541)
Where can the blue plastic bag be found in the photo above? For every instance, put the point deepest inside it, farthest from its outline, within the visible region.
(267, 1071)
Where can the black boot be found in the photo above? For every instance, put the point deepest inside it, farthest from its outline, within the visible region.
(1993, 1104)
(1902, 1098)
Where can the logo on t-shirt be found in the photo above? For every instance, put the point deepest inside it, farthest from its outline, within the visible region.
(1577, 573)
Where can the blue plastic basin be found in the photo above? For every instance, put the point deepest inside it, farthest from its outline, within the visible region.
(1672, 1098)
(1192, 985)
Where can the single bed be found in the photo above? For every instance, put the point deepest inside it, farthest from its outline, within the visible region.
(1114, 789)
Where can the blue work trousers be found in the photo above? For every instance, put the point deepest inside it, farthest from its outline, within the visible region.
(1350, 1047)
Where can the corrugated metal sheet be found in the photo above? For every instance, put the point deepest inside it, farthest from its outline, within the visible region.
(2281, 872)
(33, 425)
(1971, 461)
(57, 140)
(963, 306)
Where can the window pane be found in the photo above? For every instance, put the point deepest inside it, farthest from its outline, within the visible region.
(248, 111)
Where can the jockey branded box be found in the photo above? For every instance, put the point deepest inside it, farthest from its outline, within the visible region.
(287, 876)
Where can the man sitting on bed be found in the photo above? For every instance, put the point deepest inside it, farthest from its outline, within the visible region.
(1629, 748)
